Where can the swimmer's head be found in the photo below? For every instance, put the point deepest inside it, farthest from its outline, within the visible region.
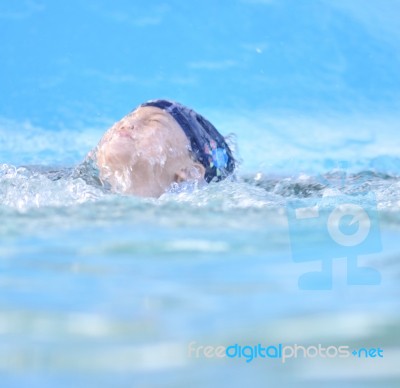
(159, 143)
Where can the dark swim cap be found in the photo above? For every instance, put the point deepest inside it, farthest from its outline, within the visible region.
(207, 145)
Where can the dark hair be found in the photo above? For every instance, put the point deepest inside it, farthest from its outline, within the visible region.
(208, 146)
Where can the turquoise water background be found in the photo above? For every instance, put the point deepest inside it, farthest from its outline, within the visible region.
(104, 290)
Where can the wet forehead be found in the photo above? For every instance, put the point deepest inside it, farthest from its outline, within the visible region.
(148, 113)
(157, 119)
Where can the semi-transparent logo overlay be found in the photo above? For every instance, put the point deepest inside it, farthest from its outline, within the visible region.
(333, 227)
(249, 353)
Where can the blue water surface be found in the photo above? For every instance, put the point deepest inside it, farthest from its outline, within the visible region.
(99, 289)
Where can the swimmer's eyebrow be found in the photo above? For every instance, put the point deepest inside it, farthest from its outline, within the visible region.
(158, 117)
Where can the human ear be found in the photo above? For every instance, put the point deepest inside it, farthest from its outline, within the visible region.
(196, 171)
(200, 171)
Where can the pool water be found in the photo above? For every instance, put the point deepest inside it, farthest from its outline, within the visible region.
(99, 289)
(299, 249)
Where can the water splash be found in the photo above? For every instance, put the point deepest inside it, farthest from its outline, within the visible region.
(35, 186)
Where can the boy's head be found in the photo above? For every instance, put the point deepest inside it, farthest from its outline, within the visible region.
(159, 143)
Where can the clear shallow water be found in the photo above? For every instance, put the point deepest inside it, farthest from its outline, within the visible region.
(101, 289)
